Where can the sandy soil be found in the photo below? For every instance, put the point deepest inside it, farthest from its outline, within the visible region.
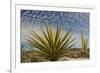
(71, 59)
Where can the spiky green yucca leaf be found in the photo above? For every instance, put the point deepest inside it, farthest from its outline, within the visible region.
(84, 43)
(52, 43)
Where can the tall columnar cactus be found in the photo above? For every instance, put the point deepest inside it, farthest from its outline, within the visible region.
(84, 43)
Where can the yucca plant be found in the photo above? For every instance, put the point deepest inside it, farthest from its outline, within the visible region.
(84, 43)
(52, 43)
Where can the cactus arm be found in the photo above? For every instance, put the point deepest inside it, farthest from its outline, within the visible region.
(82, 41)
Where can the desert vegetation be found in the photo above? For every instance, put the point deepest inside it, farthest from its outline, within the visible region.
(54, 44)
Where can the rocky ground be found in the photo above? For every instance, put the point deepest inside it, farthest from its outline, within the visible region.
(72, 55)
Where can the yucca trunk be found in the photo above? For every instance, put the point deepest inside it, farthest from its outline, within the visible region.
(54, 58)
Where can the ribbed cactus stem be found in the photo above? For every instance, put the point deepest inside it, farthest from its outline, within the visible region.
(84, 43)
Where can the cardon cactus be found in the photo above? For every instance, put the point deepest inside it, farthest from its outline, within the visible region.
(84, 43)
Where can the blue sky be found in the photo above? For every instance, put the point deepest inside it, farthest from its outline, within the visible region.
(76, 21)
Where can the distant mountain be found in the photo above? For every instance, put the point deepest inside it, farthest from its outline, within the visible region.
(25, 46)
